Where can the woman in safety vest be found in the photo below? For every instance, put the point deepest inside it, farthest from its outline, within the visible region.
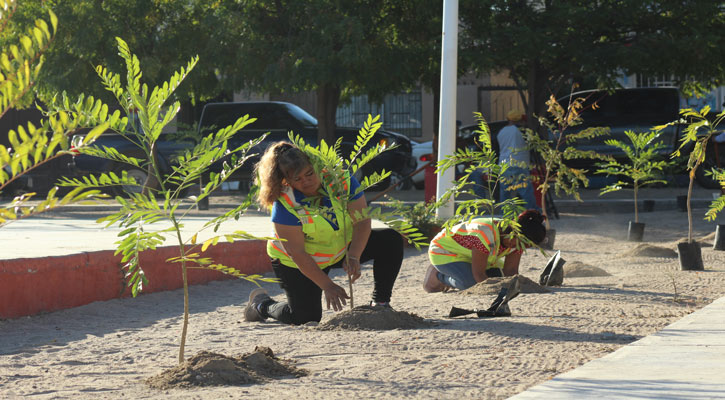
(471, 252)
(314, 244)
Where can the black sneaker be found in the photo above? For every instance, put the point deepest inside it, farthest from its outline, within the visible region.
(251, 311)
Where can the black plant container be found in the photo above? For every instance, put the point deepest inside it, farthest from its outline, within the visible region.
(682, 203)
(690, 256)
(548, 242)
(719, 238)
(635, 232)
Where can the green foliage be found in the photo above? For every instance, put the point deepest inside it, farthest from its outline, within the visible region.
(483, 158)
(333, 168)
(718, 204)
(560, 41)
(698, 131)
(643, 167)
(30, 145)
(140, 213)
(556, 154)
(421, 216)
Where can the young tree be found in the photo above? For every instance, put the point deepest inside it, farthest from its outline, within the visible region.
(698, 132)
(556, 154)
(335, 170)
(139, 214)
(484, 158)
(643, 166)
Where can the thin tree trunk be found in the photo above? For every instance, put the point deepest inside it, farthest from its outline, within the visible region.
(328, 98)
(636, 216)
(689, 209)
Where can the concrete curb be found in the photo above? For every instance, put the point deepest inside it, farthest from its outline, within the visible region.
(30, 286)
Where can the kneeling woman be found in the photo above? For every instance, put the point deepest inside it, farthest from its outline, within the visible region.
(314, 244)
(473, 251)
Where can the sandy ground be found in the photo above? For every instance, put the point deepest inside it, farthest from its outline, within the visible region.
(107, 349)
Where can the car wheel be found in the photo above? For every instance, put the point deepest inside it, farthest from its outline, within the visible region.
(137, 174)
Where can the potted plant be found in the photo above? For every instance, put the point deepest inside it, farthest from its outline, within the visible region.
(555, 155)
(642, 169)
(698, 132)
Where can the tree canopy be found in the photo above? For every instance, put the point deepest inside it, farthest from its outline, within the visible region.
(376, 47)
(545, 45)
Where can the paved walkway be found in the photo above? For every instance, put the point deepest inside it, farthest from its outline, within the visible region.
(686, 360)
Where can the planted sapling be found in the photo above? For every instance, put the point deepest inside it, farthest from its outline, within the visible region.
(643, 167)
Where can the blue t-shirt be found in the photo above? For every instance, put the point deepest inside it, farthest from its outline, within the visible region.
(282, 216)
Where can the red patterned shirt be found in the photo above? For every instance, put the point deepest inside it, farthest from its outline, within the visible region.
(473, 242)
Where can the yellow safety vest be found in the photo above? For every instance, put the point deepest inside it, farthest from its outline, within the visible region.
(322, 242)
(444, 249)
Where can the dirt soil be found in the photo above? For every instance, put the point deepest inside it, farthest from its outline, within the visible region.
(374, 319)
(212, 369)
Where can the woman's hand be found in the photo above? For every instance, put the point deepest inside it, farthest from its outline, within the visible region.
(335, 295)
(351, 265)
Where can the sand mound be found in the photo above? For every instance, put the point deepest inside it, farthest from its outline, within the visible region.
(709, 237)
(577, 269)
(646, 250)
(493, 286)
(374, 319)
(212, 369)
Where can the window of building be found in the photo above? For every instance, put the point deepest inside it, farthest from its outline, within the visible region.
(399, 113)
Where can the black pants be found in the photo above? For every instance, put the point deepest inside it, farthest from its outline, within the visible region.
(304, 297)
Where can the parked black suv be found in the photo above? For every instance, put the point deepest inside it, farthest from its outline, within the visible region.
(279, 118)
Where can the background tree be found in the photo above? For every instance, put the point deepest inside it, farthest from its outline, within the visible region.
(334, 48)
(163, 34)
(32, 145)
(545, 45)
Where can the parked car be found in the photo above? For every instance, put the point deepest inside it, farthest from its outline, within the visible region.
(466, 137)
(277, 118)
(423, 154)
(280, 118)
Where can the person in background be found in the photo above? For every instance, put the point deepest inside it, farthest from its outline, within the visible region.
(314, 244)
(471, 252)
(514, 151)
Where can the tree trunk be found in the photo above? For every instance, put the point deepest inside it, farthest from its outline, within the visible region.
(328, 97)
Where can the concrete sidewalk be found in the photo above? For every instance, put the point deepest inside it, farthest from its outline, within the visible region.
(591, 201)
(685, 360)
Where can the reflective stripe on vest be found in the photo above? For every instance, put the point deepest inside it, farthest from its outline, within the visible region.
(444, 249)
(323, 243)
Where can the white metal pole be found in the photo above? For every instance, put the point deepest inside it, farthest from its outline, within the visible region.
(447, 120)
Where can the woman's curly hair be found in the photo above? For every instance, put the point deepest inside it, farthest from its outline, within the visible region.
(279, 161)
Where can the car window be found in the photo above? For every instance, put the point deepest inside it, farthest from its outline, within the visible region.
(268, 117)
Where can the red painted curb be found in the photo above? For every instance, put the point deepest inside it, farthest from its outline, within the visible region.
(32, 285)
